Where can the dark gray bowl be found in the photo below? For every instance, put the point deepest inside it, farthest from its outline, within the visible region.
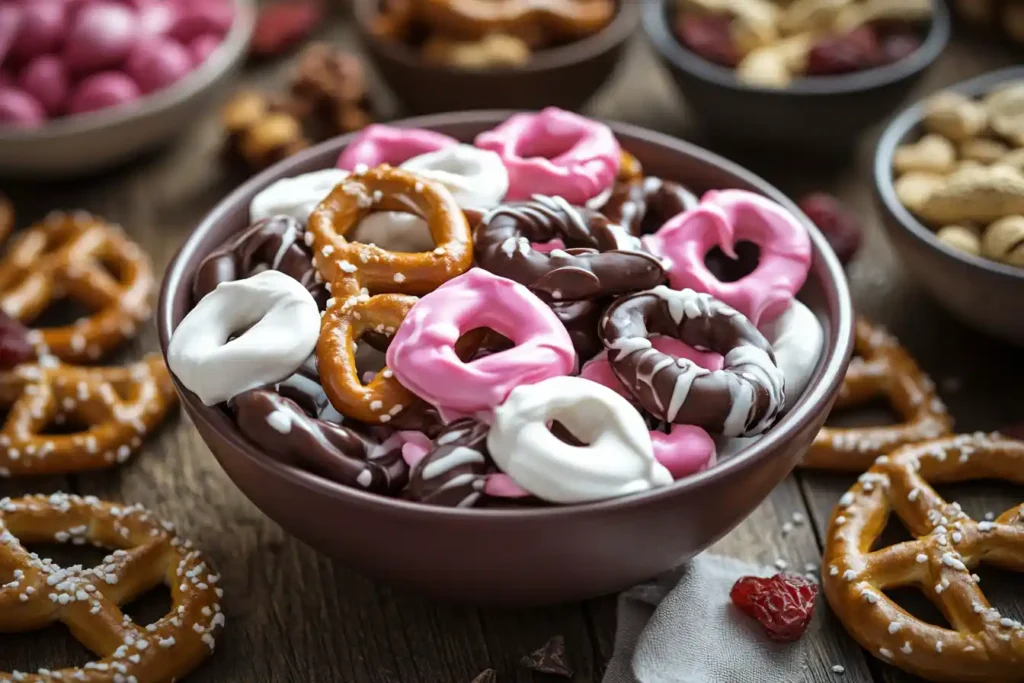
(522, 556)
(814, 116)
(984, 294)
(565, 77)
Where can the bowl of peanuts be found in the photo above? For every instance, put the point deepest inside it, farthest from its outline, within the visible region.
(949, 180)
(806, 77)
(88, 85)
(442, 55)
(448, 476)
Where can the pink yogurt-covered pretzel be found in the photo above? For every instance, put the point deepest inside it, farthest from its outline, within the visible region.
(687, 449)
(378, 144)
(555, 152)
(422, 352)
(723, 218)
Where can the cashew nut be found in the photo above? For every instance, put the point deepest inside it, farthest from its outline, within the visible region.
(954, 116)
(983, 150)
(811, 15)
(1004, 240)
(913, 189)
(773, 66)
(1006, 112)
(961, 238)
(870, 11)
(932, 153)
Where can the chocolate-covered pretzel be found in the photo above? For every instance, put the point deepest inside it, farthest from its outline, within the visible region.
(275, 243)
(600, 259)
(581, 319)
(644, 206)
(741, 399)
(454, 471)
(284, 430)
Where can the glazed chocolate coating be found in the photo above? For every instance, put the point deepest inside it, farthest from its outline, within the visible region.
(601, 259)
(658, 380)
(305, 389)
(275, 243)
(285, 431)
(581, 319)
(455, 469)
(643, 207)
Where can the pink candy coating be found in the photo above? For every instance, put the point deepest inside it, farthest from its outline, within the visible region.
(686, 449)
(158, 18)
(202, 47)
(555, 152)
(378, 144)
(723, 218)
(101, 36)
(18, 108)
(42, 28)
(422, 352)
(415, 445)
(46, 79)
(198, 17)
(101, 90)
(158, 62)
(10, 23)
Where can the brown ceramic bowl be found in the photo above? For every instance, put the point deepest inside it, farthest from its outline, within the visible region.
(521, 556)
(984, 294)
(563, 77)
(816, 116)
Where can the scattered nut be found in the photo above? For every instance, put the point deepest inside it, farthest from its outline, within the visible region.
(983, 150)
(913, 189)
(932, 153)
(954, 116)
(271, 139)
(332, 84)
(1004, 241)
(961, 238)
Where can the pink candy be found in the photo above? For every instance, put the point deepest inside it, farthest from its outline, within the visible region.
(723, 218)
(199, 17)
(202, 47)
(415, 445)
(100, 37)
(377, 144)
(157, 62)
(18, 108)
(46, 79)
(43, 25)
(102, 90)
(555, 152)
(422, 352)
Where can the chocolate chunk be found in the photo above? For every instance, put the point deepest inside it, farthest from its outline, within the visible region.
(643, 207)
(549, 659)
(600, 258)
(275, 243)
(486, 676)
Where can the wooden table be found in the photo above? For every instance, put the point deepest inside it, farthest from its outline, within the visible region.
(295, 616)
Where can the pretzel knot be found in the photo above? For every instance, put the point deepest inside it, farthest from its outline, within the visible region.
(355, 271)
(115, 408)
(884, 369)
(36, 592)
(982, 645)
(79, 257)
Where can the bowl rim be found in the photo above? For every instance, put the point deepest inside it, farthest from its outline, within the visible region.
(622, 26)
(231, 49)
(903, 124)
(656, 26)
(829, 378)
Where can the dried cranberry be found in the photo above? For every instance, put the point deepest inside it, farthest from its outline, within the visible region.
(899, 46)
(710, 37)
(783, 604)
(854, 51)
(14, 345)
(283, 25)
(841, 227)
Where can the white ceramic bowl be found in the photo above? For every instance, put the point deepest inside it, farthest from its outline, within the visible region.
(88, 142)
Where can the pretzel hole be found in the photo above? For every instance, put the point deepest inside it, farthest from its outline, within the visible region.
(1002, 589)
(61, 312)
(726, 269)
(113, 267)
(894, 533)
(875, 412)
(918, 605)
(51, 648)
(150, 607)
(64, 425)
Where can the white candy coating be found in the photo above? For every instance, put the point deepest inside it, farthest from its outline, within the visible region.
(278, 322)
(295, 197)
(619, 459)
(476, 177)
(797, 339)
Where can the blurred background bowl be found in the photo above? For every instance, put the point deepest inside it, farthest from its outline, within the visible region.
(75, 145)
(814, 116)
(527, 555)
(987, 295)
(566, 76)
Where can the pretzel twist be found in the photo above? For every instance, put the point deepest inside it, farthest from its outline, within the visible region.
(116, 407)
(982, 645)
(355, 271)
(80, 257)
(884, 369)
(35, 592)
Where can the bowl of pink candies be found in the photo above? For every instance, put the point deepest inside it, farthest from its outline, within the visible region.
(87, 84)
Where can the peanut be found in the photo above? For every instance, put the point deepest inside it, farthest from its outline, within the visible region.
(496, 50)
(954, 116)
(1004, 241)
(801, 16)
(932, 153)
(773, 66)
(983, 150)
(871, 11)
(1006, 112)
(978, 195)
(1014, 160)
(913, 189)
(961, 238)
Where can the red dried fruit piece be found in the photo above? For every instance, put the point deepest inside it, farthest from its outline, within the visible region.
(854, 51)
(710, 37)
(899, 46)
(283, 25)
(783, 604)
(14, 345)
(840, 226)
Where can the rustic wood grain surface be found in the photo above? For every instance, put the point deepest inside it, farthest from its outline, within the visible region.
(295, 616)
